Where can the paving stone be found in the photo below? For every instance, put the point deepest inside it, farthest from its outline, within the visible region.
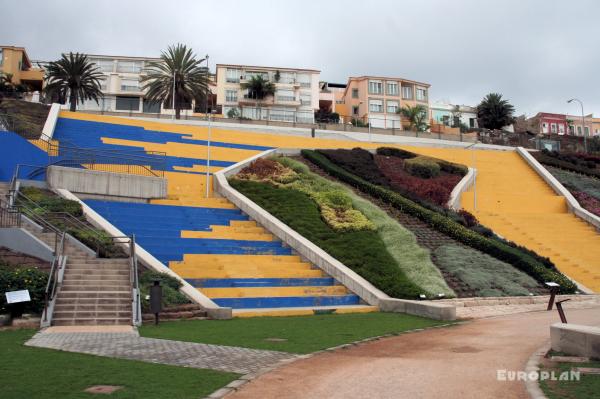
(177, 353)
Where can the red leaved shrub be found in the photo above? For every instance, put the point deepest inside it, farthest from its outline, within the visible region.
(590, 203)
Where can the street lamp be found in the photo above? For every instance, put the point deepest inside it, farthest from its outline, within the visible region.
(173, 97)
(585, 147)
(208, 141)
(472, 147)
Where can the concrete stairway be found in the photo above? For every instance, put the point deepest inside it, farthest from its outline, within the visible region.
(94, 291)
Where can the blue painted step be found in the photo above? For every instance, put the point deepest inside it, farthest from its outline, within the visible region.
(287, 302)
(260, 282)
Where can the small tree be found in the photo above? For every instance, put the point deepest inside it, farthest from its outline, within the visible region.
(494, 113)
(416, 116)
(233, 113)
(456, 115)
(277, 75)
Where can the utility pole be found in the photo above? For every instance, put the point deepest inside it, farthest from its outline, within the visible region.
(209, 132)
(585, 146)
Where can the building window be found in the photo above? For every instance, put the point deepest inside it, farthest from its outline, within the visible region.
(392, 107)
(250, 74)
(407, 92)
(392, 88)
(421, 94)
(130, 85)
(151, 107)
(471, 122)
(233, 75)
(231, 96)
(375, 87)
(285, 95)
(304, 80)
(127, 103)
(571, 129)
(355, 110)
(375, 105)
(1, 57)
(587, 131)
(579, 130)
(104, 65)
(129, 66)
(553, 128)
(354, 93)
(305, 99)
(103, 83)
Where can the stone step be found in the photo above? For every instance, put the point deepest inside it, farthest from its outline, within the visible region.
(78, 307)
(78, 274)
(91, 294)
(92, 321)
(116, 261)
(99, 281)
(103, 314)
(60, 301)
(94, 287)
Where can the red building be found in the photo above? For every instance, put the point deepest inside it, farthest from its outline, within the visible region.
(552, 123)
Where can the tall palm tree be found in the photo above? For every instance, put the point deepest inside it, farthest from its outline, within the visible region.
(416, 116)
(177, 68)
(74, 77)
(258, 88)
(494, 113)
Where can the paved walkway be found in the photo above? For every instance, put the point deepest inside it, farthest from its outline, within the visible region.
(457, 362)
(129, 345)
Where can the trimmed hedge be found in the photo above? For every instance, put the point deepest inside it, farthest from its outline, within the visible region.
(362, 251)
(422, 167)
(541, 271)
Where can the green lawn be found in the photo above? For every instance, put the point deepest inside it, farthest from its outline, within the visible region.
(301, 334)
(587, 388)
(27, 372)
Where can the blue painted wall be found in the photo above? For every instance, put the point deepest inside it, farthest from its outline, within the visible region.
(16, 150)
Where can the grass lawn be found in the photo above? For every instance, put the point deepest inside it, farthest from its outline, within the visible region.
(300, 334)
(587, 388)
(27, 372)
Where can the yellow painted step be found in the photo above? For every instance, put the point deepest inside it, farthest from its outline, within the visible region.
(225, 233)
(251, 274)
(201, 259)
(276, 312)
(258, 292)
(232, 269)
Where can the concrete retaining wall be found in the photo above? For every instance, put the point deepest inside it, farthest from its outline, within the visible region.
(462, 186)
(213, 310)
(572, 203)
(106, 183)
(20, 240)
(50, 124)
(312, 253)
(576, 340)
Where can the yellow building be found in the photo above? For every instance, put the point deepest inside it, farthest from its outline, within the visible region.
(15, 61)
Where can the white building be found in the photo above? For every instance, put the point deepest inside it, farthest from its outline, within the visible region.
(443, 112)
(296, 97)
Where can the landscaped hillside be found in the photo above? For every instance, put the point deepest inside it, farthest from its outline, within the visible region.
(585, 189)
(461, 229)
(352, 230)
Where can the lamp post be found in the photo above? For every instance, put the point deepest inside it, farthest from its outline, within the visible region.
(209, 132)
(472, 147)
(585, 147)
(173, 99)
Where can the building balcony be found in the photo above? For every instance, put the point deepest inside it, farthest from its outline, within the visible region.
(247, 100)
(287, 100)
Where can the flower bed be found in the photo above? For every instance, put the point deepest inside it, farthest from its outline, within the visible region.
(367, 251)
(585, 164)
(541, 269)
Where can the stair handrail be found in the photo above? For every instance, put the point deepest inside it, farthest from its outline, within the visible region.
(58, 264)
(9, 216)
(135, 281)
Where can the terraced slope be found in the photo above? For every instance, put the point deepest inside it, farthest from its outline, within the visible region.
(517, 204)
(208, 241)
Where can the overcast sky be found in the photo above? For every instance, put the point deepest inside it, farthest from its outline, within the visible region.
(537, 53)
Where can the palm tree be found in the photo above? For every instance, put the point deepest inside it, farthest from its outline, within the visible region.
(416, 116)
(178, 71)
(258, 88)
(74, 77)
(494, 113)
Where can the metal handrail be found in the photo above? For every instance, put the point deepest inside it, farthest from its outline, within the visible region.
(9, 217)
(57, 263)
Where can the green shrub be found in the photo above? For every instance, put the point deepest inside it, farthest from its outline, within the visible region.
(525, 261)
(170, 289)
(486, 275)
(337, 199)
(448, 167)
(362, 251)
(396, 152)
(14, 279)
(48, 202)
(423, 167)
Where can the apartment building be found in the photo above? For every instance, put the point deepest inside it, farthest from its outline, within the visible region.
(377, 99)
(16, 62)
(444, 113)
(296, 96)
